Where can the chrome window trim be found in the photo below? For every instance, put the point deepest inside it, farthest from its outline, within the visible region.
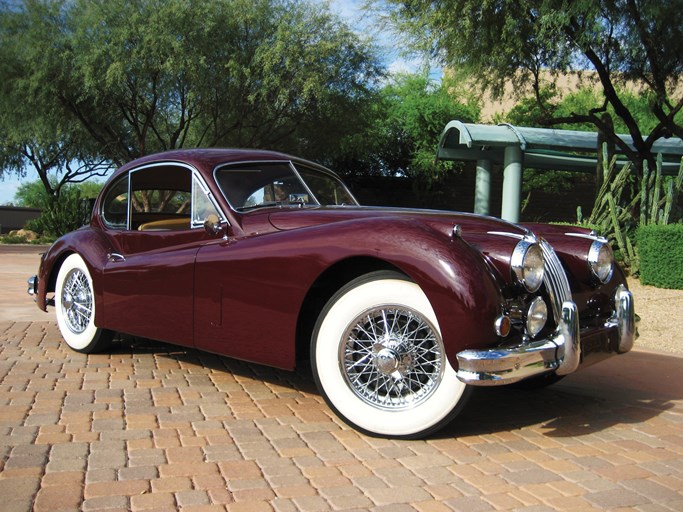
(292, 164)
(195, 175)
(100, 211)
(197, 179)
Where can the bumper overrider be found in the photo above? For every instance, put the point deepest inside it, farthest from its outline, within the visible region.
(33, 286)
(559, 353)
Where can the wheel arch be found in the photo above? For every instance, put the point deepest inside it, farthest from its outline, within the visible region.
(456, 279)
(89, 244)
(324, 287)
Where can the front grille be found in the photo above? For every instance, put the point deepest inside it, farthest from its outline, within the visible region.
(555, 279)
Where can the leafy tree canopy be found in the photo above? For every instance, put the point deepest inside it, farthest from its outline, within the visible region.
(622, 41)
(105, 81)
(409, 116)
(32, 194)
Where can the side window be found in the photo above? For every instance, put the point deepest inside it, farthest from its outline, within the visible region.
(115, 205)
(327, 190)
(202, 205)
(160, 198)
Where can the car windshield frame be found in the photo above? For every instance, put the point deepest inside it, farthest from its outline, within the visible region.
(253, 185)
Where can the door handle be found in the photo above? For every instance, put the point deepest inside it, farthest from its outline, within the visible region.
(115, 257)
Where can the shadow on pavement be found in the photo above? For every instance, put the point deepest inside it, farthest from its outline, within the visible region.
(627, 389)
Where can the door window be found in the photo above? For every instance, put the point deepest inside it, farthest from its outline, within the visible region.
(115, 205)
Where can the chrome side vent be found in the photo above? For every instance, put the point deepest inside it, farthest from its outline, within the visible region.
(555, 279)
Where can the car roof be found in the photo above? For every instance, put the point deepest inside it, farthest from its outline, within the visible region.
(206, 159)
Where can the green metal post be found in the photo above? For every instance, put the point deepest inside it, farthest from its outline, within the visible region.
(482, 187)
(512, 184)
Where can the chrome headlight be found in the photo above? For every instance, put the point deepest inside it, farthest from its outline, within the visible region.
(527, 264)
(536, 317)
(601, 260)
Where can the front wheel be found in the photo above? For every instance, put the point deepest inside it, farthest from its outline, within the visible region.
(75, 305)
(379, 360)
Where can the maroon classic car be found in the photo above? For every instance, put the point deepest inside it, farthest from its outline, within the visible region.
(268, 258)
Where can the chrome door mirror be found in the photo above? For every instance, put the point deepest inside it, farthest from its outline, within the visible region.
(212, 225)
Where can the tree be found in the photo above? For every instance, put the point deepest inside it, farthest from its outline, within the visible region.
(32, 194)
(112, 80)
(638, 42)
(409, 115)
(34, 131)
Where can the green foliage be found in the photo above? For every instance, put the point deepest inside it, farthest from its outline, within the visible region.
(17, 239)
(33, 194)
(62, 214)
(409, 115)
(530, 111)
(660, 249)
(528, 43)
(619, 212)
(90, 84)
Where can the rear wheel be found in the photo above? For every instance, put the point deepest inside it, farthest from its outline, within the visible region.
(75, 305)
(379, 360)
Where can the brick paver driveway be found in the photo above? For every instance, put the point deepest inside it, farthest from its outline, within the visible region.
(152, 426)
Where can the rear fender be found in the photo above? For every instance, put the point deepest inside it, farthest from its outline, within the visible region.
(92, 246)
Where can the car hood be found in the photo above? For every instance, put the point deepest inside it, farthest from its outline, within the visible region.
(470, 224)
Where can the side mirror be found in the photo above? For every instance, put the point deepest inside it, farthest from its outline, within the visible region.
(213, 225)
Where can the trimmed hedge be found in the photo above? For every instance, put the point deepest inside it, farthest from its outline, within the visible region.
(661, 255)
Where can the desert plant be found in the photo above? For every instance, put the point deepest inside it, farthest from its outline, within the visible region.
(618, 212)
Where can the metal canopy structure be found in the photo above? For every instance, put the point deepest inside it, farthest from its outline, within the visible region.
(517, 147)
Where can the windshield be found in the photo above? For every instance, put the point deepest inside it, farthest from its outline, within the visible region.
(258, 185)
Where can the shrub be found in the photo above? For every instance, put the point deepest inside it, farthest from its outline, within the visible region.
(61, 215)
(661, 252)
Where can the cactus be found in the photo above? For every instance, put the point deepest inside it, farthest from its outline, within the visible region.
(614, 214)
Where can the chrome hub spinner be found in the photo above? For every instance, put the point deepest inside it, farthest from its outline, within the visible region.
(391, 357)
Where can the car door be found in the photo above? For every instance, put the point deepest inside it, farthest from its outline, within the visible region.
(149, 276)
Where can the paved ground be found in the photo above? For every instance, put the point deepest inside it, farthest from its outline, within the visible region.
(155, 427)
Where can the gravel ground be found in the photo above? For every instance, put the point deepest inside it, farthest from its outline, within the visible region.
(661, 317)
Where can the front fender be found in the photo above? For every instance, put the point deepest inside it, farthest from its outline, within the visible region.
(91, 245)
(455, 277)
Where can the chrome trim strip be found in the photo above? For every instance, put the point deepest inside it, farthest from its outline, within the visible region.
(588, 236)
(561, 352)
(512, 235)
(555, 280)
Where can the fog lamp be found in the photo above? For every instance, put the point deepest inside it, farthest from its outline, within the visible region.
(536, 317)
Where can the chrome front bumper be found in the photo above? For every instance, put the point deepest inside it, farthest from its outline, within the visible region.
(560, 352)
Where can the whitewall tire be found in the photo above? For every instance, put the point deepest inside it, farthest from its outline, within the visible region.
(379, 361)
(75, 306)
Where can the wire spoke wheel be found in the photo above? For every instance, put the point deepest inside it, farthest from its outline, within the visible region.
(75, 308)
(392, 357)
(379, 360)
(77, 299)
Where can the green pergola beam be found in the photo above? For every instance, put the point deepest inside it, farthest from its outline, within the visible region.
(517, 147)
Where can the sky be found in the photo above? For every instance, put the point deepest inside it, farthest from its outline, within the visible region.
(351, 11)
